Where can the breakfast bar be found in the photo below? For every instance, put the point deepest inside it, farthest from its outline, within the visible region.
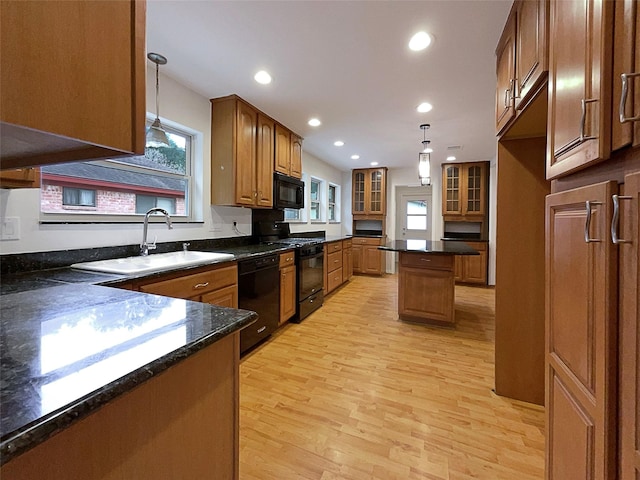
(426, 280)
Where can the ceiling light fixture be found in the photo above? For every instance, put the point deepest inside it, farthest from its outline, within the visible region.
(424, 159)
(450, 158)
(419, 41)
(338, 143)
(262, 77)
(424, 107)
(314, 122)
(373, 164)
(156, 136)
(355, 157)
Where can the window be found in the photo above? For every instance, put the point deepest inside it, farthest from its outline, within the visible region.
(416, 215)
(334, 203)
(118, 189)
(293, 214)
(315, 200)
(78, 197)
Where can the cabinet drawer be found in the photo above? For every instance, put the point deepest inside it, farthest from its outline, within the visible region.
(335, 279)
(346, 244)
(334, 247)
(334, 261)
(196, 284)
(366, 240)
(425, 260)
(287, 258)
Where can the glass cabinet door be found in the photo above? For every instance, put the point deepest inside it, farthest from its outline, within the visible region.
(452, 201)
(358, 192)
(375, 199)
(474, 179)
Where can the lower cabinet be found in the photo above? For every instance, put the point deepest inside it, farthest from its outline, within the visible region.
(217, 285)
(366, 256)
(287, 286)
(347, 260)
(473, 268)
(333, 265)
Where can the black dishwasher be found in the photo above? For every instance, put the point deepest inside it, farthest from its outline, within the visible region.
(259, 291)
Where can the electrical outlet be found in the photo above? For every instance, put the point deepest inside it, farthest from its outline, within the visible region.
(10, 228)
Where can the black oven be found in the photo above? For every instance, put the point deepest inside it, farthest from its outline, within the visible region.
(288, 192)
(310, 279)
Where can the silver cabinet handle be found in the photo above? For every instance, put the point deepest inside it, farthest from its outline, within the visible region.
(623, 97)
(262, 329)
(201, 285)
(425, 260)
(506, 98)
(514, 85)
(615, 220)
(587, 224)
(583, 119)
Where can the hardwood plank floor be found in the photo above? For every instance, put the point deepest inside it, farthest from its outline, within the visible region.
(354, 393)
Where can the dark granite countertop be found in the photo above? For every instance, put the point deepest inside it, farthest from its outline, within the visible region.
(66, 351)
(458, 239)
(429, 246)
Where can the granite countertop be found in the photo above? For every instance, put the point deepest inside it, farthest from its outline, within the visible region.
(429, 246)
(65, 351)
(458, 239)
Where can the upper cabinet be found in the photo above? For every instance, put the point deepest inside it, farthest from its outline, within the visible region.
(579, 116)
(625, 121)
(521, 57)
(242, 149)
(288, 159)
(86, 103)
(369, 191)
(464, 189)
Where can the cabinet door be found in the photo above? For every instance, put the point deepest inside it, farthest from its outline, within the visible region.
(629, 354)
(475, 268)
(283, 150)
(356, 254)
(287, 293)
(264, 161)
(458, 268)
(296, 156)
(376, 204)
(474, 179)
(372, 260)
(426, 294)
(246, 128)
(626, 59)
(224, 297)
(358, 191)
(531, 47)
(580, 344)
(579, 118)
(347, 264)
(20, 178)
(505, 72)
(451, 191)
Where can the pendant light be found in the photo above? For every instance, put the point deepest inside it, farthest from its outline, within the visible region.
(156, 136)
(424, 158)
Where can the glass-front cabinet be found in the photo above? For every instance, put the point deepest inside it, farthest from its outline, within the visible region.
(464, 188)
(369, 191)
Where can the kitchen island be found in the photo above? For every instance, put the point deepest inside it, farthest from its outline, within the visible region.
(103, 383)
(426, 280)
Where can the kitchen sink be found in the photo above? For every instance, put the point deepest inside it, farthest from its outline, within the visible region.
(153, 263)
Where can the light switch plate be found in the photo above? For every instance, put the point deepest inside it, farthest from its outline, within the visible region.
(10, 228)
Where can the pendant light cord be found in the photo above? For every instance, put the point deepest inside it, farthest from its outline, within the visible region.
(157, 91)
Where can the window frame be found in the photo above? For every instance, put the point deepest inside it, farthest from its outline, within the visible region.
(321, 200)
(337, 204)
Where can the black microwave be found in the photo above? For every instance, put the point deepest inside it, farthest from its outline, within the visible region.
(288, 192)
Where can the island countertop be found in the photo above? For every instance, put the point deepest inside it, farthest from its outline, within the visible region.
(429, 246)
(67, 350)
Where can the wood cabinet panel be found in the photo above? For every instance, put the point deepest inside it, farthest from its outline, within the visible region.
(283, 150)
(426, 260)
(296, 156)
(505, 72)
(465, 190)
(58, 108)
(193, 285)
(333, 247)
(369, 194)
(224, 297)
(531, 48)
(20, 178)
(287, 292)
(581, 333)
(347, 260)
(366, 256)
(334, 279)
(287, 258)
(426, 294)
(357, 257)
(334, 260)
(264, 161)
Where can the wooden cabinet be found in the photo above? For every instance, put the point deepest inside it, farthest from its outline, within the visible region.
(212, 284)
(581, 334)
(626, 60)
(629, 335)
(472, 268)
(521, 58)
(288, 153)
(579, 117)
(333, 265)
(347, 260)
(86, 103)
(426, 288)
(369, 191)
(287, 286)
(242, 152)
(464, 190)
(20, 178)
(366, 256)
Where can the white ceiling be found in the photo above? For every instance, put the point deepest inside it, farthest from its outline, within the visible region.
(347, 63)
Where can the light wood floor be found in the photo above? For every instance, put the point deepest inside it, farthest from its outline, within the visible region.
(353, 393)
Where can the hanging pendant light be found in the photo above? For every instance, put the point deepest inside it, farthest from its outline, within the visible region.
(156, 136)
(424, 158)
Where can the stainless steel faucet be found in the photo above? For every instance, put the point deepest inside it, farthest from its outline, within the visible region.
(144, 246)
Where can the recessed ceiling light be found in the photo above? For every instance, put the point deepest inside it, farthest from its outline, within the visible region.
(355, 157)
(314, 122)
(419, 41)
(338, 143)
(450, 158)
(424, 107)
(373, 164)
(262, 77)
